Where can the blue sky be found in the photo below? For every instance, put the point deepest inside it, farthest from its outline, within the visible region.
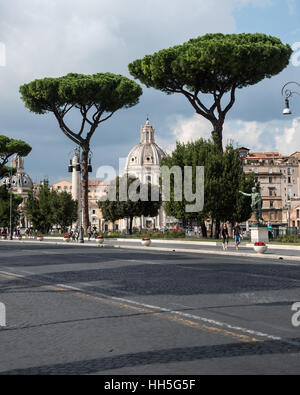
(53, 37)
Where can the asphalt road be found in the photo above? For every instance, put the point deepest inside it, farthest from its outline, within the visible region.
(86, 310)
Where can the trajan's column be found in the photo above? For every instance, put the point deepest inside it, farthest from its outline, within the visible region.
(76, 176)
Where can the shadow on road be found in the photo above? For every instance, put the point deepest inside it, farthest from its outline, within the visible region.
(159, 357)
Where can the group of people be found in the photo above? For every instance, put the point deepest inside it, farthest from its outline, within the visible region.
(237, 235)
(92, 232)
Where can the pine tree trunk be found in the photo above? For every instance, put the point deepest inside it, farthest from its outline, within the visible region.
(212, 228)
(217, 230)
(130, 226)
(217, 134)
(203, 230)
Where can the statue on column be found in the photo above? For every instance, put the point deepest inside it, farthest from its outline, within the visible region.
(256, 204)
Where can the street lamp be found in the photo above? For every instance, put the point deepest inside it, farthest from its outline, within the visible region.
(78, 168)
(287, 94)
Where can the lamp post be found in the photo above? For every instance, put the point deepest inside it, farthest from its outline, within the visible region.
(287, 94)
(78, 168)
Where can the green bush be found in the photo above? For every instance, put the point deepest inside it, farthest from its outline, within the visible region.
(289, 239)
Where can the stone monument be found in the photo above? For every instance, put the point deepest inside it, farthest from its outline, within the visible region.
(259, 231)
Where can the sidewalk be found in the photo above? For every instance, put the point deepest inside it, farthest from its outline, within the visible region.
(275, 252)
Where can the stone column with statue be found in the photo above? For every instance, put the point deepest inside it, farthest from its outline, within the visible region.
(259, 230)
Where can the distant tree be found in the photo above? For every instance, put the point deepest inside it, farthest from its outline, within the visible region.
(8, 148)
(5, 208)
(46, 208)
(224, 177)
(95, 97)
(118, 209)
(39, 208)
(216, 65)
(65, 209)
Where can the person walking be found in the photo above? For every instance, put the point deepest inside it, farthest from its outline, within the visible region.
(237, 232)
(89, 232)
(225, 237)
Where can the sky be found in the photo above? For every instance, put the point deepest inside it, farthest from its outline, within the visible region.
(50, 38)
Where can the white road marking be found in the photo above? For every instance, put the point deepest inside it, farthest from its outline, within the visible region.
(173, 312)
(68, 287)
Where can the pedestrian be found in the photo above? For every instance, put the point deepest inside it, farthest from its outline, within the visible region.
(270, 231)
(237, 232)
(225, 237)
(89, 232)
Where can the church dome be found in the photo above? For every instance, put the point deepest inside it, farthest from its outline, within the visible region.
(147, 153)
(20, 180)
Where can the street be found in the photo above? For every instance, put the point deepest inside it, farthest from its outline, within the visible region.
(88, 310)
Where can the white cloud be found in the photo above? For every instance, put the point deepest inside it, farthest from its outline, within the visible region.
(291, 6)
(55, 37)
(276, 135)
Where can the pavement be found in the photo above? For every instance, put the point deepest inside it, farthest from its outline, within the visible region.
(126, 311)
(275, 252)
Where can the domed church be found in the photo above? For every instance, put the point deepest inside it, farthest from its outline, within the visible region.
(143, 162)
(21, 184)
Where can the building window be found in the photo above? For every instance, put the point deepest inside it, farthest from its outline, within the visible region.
(94, 212)
(289, 172)
(298, 213)
(289, 180)
(271, 204)
(148, 179)
(270, 180)
(270, 171)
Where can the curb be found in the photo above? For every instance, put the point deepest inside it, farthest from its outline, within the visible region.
(170, 250)
(211, 252)
(195, 243)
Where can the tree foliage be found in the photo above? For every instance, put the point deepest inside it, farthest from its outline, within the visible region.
(214, 64)
(95, 97)
(223, 179)
(46, 208)
(10, 147)
(65, 209)
(113, 210)
(5, 208)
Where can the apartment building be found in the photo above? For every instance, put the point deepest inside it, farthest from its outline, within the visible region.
(278, 177)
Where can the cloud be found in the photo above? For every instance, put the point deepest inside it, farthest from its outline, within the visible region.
(282, 136)
(54, 37)
(291, 6)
